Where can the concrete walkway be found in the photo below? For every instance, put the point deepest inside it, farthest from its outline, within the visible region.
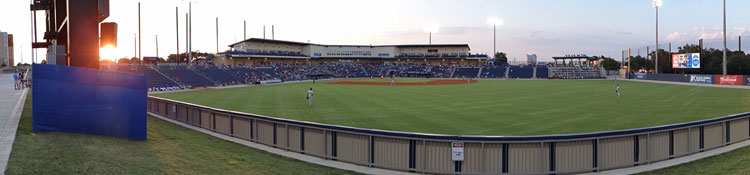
(11, 107)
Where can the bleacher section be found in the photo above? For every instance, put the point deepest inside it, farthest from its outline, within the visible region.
(179, 76)
(574, 72)
(521, 72)
(219, 75)
(466, 72)
(186, 76)
(542, 71)
(493, 72)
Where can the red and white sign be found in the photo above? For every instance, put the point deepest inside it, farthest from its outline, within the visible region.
(457, 151)
(728, 79)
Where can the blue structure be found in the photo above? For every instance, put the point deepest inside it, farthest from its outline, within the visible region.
(89, 101)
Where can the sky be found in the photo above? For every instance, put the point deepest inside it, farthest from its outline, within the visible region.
(544, 27)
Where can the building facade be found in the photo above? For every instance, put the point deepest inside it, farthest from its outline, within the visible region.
(6, 49)
(257, 51)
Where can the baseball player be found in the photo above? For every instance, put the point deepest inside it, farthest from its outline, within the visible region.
(309, 97)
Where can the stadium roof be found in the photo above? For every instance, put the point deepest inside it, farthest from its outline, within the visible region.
(301, 43)
(572, 57)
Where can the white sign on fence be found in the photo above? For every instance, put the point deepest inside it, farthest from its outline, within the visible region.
(458, 151)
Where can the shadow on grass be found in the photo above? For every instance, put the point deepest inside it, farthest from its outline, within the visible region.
(169, 149)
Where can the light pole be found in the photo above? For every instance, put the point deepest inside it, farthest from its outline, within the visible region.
(657, 4)
(430, 28)
(494, 22)
(724, 57)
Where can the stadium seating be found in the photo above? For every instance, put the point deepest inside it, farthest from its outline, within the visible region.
(466, 72)
(493, 72)
(187, 76)
(521, 72)
(178, 76)
(219, 75)
(574, 72)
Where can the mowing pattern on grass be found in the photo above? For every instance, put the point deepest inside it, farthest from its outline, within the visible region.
(169, 149)
(491, 107)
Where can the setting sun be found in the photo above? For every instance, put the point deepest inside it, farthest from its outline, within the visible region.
(107, 53)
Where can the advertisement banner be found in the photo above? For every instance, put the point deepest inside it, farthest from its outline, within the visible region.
(747, 80)
(703, 79)
(640, 76)
(728, 79)
(689, 60)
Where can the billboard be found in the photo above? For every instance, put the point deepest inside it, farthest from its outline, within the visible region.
(703, 79)
(640, 76)
(688, 60)
(729, 79)
(747, 80)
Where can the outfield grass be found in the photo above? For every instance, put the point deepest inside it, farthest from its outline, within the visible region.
(388, 80)
(169, 149)
(733, 162)
(490, 107)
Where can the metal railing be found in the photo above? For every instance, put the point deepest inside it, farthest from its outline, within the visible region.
(431, 153)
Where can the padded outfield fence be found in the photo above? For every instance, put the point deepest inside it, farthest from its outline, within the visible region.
(431, 153)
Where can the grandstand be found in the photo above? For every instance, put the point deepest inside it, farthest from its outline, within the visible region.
(581, 68)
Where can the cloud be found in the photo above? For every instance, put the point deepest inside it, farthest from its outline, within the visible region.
(625, 33)
(459, 30)
(714, 33)
(535, 33)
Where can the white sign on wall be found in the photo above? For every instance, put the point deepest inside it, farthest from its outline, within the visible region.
(457, 151)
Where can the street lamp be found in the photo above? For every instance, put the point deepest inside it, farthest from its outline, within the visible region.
(494, 22)
(431, 28)
(657, 4)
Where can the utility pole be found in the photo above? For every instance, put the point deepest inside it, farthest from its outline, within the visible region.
(217, 35)
(724, 57)
(244, 30)
(139, 31)
(190, 32)
(177, 32)
(187, 37)
(157, 45)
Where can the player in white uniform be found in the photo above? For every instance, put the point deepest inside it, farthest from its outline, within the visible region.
(618, 90)
(309, 97)
(393, 82)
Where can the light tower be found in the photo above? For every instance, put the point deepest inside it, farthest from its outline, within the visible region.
(431, 28)
(494, 22)
(657, 4)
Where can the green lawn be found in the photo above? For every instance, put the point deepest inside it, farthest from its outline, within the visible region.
(169, 149)
(733, 162)
(388, 80)
(489, 107)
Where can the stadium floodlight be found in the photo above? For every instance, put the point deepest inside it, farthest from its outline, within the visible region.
(494, 22)
(431, 28)
(657, 4)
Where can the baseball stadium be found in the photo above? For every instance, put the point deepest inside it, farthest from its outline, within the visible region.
(261, 105)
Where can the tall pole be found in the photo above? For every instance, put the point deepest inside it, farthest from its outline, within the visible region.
(273, 32)
(740, 42)
(628, 60)
(190, 32)
(139, 31)
(157, 45)
(724, 57)
(430, 38)
(217, 35)
(135, 45)
(177, 32)
(187, 37)
(494, 40)
(656, 59)
(244, 30)
(264, 31)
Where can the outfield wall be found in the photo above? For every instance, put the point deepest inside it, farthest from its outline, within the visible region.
(738, 80)
(432, 153)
